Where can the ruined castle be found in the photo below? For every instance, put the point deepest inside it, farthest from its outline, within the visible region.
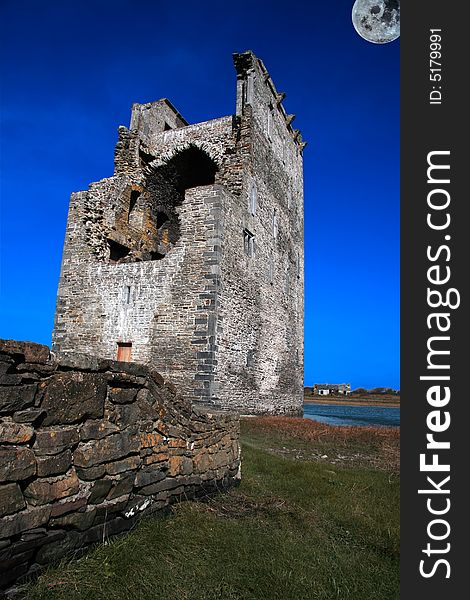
(189, 258)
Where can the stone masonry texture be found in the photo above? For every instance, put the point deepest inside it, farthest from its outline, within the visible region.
(189, 259)
(88, 445)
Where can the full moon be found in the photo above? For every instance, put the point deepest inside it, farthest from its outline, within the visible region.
(377, 21)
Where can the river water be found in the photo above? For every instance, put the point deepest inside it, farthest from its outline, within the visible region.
(342, 414)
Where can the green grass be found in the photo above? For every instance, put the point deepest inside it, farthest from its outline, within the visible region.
(294, 529)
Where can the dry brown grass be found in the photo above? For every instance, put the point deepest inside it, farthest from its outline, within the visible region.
(379, 446)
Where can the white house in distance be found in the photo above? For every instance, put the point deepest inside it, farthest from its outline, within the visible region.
(325, 389)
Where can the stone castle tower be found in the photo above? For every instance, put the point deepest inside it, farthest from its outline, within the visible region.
(190, 257)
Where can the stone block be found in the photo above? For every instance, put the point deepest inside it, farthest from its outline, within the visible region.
(122, 487)
(26, 519)
(10, 379)
(24, 545)
(122, 395)
(55, 440)
(202, 462)
(91, 473)
(128, 368)
(30, 351)
(110, 448)
(125, 415)
(180, 465)
(15, 433)
(155, 457)
(82, 362)
(150, 440)
(99, 491)
(56, 464)
(78, 520)
(58, 548)
(95, 430)
(165, 485)
(16, 397)
(6, 364)
(65, 506)
(16, 464)
(73, 396)
(11, 499)
(30, 415)
(41, 368)
(156, 377)
(43, 491)
(109, 507)
(176, 443)
(148, 476)
(131, 463)
(102, 532)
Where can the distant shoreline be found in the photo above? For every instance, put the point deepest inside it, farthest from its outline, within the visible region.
(351, 401)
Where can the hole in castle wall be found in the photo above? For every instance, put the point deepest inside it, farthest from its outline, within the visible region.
(191, 168)
(162, 218)
(145, 157)
(133, 201)
(117, 251)
(152, 226)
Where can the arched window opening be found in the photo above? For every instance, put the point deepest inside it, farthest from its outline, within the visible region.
(152, 227)
(191, 168)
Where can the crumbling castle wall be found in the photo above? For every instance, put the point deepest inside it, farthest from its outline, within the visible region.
(88, 445)
(190, 257)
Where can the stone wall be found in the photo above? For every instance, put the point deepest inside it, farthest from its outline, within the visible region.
(261, 351)
(88, 445)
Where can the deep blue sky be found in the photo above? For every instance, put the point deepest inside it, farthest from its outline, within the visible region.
(70, 72)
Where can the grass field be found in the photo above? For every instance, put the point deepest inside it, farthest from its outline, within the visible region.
(316, 517)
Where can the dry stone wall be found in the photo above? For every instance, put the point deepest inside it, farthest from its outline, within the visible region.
(88, 445)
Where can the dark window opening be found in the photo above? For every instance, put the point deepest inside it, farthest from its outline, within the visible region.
(145, 157)
(166, 127)
(156, 256)
(162, 218)
(128, 294)
(124, 350)
(269, 128)
(117, 251)
(191, 168)
(250, 358)
(248, 243)
(133, 201)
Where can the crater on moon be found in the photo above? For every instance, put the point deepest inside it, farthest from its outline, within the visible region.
(377, 21)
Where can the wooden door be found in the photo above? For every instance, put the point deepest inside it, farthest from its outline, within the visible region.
(124, 351)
